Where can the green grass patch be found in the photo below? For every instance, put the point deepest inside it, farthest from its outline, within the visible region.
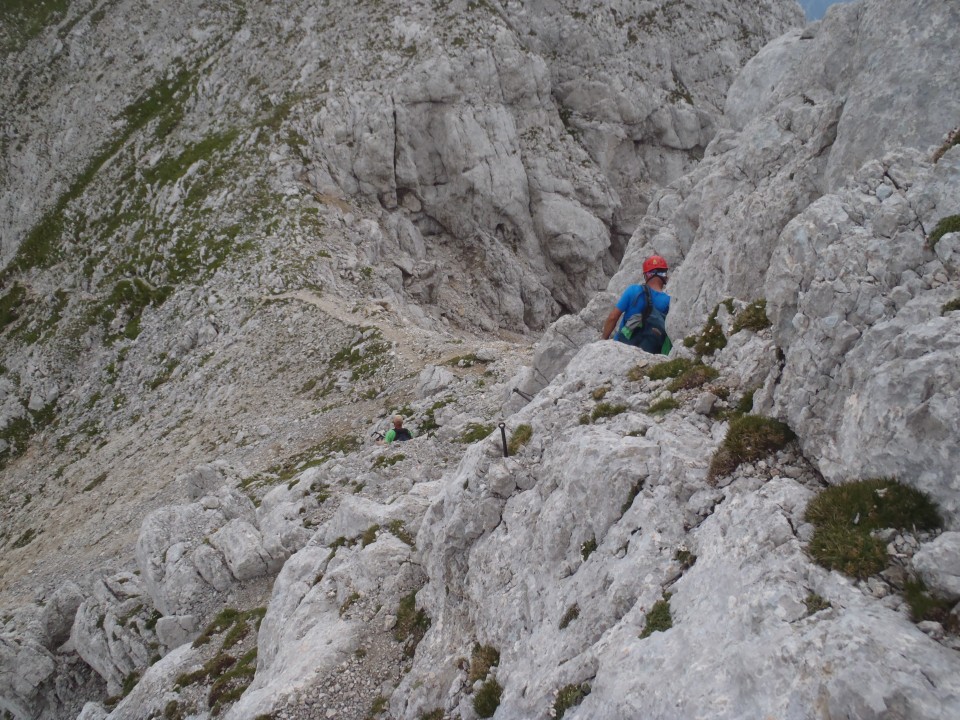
(750, 437)
(949, 224)
(487, 699)
(605, 409)
(567, 697)
(369, 535)
(475, 432)
(11, 304)
(659, 618)
(663, 406)
(694, 377)
(951, 306)
(520, 437)
(661, 371)
(844, 516)
(752, 317)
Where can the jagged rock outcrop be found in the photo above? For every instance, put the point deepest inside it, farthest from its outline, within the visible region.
(869, 379)
(578, 558)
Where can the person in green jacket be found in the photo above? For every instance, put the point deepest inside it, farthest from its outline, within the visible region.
(398, 431)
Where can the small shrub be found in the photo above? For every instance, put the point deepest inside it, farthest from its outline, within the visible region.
(662, 406)
(520, 437)
(487, 699)
(482, 659)
(696, 376)
(587, 548)
(750, 437)
(752, 317)
(604, 409)
(600, 393)
(585, 419)
(436, 714)
(567, 697)
(572, 613)
(129, 683)
(685, 558)
(659, 618)
(949, 224)
(815, 604)
(844, 516)
(951, 306)
(475, 432)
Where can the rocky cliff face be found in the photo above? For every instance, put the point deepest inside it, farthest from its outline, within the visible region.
(302, 219)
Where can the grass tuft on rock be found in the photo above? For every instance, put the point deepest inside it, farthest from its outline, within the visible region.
(605, 409)
(659, 618)
(487, 699)
(926, 606)
(949, 224)
(750, 437)
(663, 406)
(567, 697)
(752, 317)
(520, 437)
(694, 377)
(661, 371)
(572, 613)
(475, 432)
(482, 659)
(951, 306)
(844, 516)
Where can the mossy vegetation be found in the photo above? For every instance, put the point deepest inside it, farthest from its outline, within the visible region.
(369, 535)
(19, 431)
(567, 697)
(487, 699)
(845, 516)
(23, 20)
(951, 306)
(949, 224)
(750, 437)
(752, 317)
(659, 618)
(711, 338)
(386, 461)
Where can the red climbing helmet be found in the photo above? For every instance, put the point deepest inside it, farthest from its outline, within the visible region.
(655, 265)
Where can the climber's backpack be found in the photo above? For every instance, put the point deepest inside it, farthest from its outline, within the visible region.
(402, 434)
(646, 330)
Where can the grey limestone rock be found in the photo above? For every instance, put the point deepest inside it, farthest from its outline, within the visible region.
(938, 563)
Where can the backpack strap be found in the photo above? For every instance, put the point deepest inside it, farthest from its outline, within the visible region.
(649, 304)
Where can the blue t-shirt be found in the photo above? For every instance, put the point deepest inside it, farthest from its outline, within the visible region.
(634, 301)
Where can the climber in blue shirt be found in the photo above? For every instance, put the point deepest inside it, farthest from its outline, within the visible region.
(644, 311)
